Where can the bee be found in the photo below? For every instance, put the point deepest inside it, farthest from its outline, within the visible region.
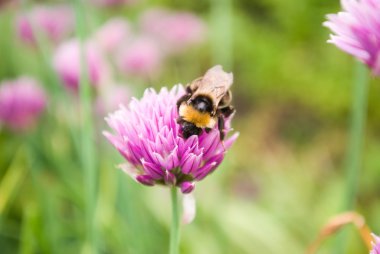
(207, 102)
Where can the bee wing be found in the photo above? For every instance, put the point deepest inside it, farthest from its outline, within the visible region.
(195, 84)
(214, 84)
(217, 78)
(226, 100)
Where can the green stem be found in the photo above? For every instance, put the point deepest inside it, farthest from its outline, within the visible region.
(355, 143)
(49, 242)
(355, 146)
(221, 17)
(174, 232)
(88, 155)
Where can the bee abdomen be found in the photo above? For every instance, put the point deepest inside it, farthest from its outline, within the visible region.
(189, 129)
(199, 119)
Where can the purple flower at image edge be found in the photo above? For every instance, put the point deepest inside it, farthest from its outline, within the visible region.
(21, 103)
(376, 245)
(148, 137)
(357, 31)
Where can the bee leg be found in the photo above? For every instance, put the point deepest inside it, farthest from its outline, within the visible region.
(182, 99)
(227, 111)
(208, 130)
(221, 126)
(221, 129)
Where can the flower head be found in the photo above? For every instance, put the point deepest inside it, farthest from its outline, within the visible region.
(21, 102)
(141, 57)
(148, 137)
(376, 245)
(112, 34)
(67, 63)
(175, 30)
(52, 22)
(357, 31)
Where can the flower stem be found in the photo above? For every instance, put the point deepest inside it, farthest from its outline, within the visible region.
(221, 17)
(88, 156)
(174, 232)
(355, 146)
(355, 143)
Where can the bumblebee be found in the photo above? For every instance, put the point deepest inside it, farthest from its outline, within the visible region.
(207, 102)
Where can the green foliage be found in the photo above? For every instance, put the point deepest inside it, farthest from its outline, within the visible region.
(279, 183)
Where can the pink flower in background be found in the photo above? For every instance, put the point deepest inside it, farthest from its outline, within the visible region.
(110, 97)
(357, 31)
(376, 245)
(21, 102)
(51, 22)
(142, 57)
(175, 30)
(67, 63)
(147, 135)
(114, 33)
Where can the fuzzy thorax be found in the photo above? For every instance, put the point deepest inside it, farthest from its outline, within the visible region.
(199, 119)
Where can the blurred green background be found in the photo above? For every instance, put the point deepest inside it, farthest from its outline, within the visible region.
(279, 183)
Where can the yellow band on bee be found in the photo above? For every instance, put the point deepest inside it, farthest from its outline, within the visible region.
(199, 119)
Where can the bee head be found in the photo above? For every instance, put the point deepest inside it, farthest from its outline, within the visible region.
(202, 103)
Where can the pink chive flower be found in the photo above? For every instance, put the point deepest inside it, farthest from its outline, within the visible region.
(21, 102)
(113, 34)
(51, 22)
(376, 245)
(147, 135)
(175, 30)
(142, 57)
(67, 63)
(357, 31)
